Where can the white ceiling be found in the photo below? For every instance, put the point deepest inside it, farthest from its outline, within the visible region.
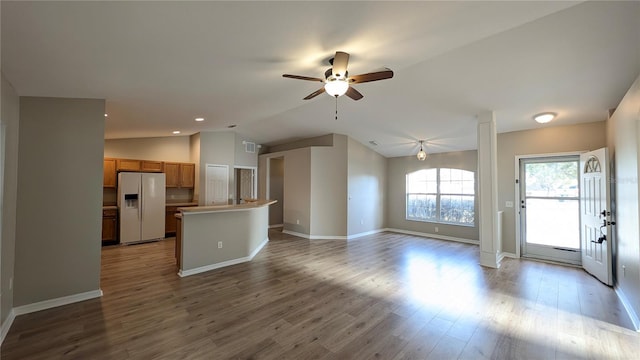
(161, 64)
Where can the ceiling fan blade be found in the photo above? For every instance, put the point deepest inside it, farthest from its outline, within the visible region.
(314, 94)
(353, 93)
(299, 77)
(340, 62)
(374, 76)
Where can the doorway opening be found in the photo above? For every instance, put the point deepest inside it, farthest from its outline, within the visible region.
(550, 208)
(246, 184)
(275, 191)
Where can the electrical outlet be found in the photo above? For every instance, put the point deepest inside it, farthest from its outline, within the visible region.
(624, 270)
(361, 221)
(219, 244)
(436, 229)
(11, 283)
(297, 221)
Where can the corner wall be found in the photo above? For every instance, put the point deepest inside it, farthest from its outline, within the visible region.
(624, 128)
(367, 189)
(59, 202)
(10, 121)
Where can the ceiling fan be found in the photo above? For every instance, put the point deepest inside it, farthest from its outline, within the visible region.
(337, 81)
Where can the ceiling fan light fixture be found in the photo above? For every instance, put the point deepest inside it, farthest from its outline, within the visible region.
(544, 117)
(421, 155)
(336, 86)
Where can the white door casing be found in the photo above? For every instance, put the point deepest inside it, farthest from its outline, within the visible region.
(217, 184)
(595, 215)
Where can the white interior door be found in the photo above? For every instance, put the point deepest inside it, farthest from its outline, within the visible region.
(595, 215)
(217, 189)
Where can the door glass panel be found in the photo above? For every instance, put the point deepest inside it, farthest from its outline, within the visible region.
(553, 222)
(551, 208)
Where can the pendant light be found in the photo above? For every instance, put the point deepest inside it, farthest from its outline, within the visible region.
(421, 154)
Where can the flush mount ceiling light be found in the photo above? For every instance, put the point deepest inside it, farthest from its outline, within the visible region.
(544, 118)
(199, 119)
(176, 132)
(421, 155)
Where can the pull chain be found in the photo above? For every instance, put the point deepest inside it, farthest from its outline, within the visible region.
(336, 107)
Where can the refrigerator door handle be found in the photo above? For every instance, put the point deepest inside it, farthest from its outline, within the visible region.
(141, 205)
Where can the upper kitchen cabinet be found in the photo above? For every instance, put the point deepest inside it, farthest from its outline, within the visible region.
(179, 175)
(129, 165)
(152, 166)
(110, 174)
(187, 175)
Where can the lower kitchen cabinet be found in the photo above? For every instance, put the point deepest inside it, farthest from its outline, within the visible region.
(109, 226)
(170, 224)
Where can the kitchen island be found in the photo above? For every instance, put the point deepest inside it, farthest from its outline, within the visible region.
(211, 237)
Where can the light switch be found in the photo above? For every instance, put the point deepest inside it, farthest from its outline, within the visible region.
(508, 204)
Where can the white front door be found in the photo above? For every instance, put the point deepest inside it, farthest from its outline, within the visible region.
(217, 189)
(595, 215)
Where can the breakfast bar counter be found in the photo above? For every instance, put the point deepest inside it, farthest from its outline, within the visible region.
(211, 237)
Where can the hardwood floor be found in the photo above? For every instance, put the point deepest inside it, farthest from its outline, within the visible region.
(386, 296)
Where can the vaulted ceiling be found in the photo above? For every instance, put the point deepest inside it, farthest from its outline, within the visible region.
(159, 65)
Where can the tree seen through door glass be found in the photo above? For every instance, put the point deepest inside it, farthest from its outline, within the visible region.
(552, 179)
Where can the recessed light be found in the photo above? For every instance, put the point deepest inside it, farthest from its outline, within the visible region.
(199, 119)
(106, 115)
(232, 126)
(176, 132)
(544, 118)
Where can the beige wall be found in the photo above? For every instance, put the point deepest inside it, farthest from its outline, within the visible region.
(216, 148)
(59, 210)
(194, 157)
(323, 140)
(367, 188)
(243, 158)
(174, 148)
(546, 140)
(624, 127)
(9, 121)
(329, 189)
(397, 169)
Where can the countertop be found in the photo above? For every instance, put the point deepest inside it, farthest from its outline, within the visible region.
(188, 203)
(222, 208)
(109, 207)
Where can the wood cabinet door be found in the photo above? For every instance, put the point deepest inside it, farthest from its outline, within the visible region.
(170, 219)
(110, 174)
(152, 166)
(109, 228)
(187, 174)
(172, 174)
(128, 165)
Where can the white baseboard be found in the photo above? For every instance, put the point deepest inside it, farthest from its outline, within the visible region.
(6, 325)
(355, 236)
(201, 269)
(314, 237)
(627, 305)
(65, 300)
(276, 226)
(435, 236)
(503, 255)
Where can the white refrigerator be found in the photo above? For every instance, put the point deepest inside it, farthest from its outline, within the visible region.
(141, 203)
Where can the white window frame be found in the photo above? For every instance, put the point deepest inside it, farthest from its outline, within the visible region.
(438, 195)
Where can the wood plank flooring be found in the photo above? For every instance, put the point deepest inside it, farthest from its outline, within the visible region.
(385, 296)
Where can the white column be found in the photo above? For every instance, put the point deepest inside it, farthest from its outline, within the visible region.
(488, 190)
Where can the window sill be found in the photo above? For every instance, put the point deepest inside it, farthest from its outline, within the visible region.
(442, 223)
